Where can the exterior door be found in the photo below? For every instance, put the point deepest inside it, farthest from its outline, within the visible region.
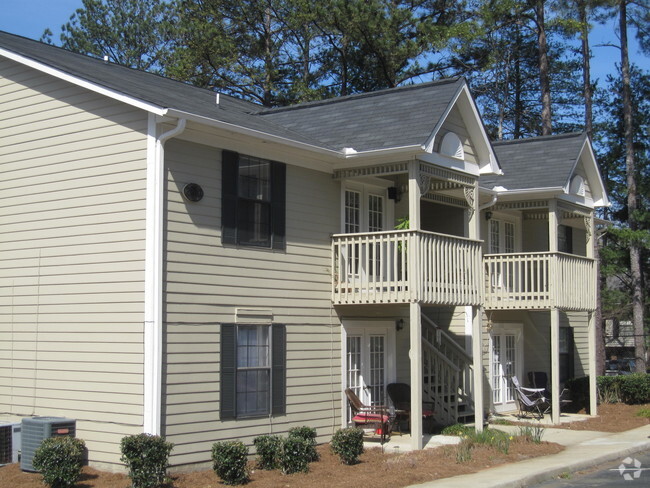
(505, 362)
(364, 211)
(369, 362)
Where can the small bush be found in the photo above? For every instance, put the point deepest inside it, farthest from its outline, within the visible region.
(532, 434)
(644, 412)
(457, 429)
(229, 462)
(269, 451)
(309, 435)
(635, 388)
(347, 444)
(59, 460)
(295, 455)
(609, 389)
(147, 458)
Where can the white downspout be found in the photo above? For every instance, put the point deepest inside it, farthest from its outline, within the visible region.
(153, 281)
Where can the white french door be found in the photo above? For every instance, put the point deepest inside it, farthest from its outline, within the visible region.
(369, 363)
(506, 361)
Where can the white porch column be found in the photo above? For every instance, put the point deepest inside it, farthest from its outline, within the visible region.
(415, 355)
(414, 195)
(593, 384)
(555, 317)
(477, 356)
(591, 329)
(555, 365)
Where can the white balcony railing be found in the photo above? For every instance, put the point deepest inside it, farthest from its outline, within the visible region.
(540, 281)
(404, 266)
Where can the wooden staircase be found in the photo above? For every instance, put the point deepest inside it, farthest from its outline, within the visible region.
(447, 376)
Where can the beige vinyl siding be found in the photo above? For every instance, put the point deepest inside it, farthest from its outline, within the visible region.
(454, 123)
(579, 321)
(206, 283)
(72, 214)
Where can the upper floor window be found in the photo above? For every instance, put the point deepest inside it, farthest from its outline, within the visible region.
(253, 201)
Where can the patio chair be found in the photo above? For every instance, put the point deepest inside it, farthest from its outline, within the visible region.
(376, 415)
(530, 400)
(400, 396)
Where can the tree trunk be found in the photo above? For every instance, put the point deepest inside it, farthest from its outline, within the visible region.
(630, 169)
(586, 68)
(544, 79)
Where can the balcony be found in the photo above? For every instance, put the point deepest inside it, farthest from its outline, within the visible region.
(540, 281)
(406, 266)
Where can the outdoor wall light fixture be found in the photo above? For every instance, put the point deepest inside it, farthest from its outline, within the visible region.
(488, 215)
(399, 324)
(193, 192)
(394, 193)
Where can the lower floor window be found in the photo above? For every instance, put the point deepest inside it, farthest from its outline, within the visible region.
(253, 379)
(253, 370)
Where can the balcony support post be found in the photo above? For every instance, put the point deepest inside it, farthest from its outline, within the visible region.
(415, 355)
(593, 370)
(414, 195)
(555, 365)
(477, 357)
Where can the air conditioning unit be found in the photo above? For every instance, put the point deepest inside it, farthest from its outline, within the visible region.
(9, 443)
(37, 429)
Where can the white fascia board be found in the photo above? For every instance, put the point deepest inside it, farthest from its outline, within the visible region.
(450, 163)
(550, 192)
(43, 68)
(237, 129)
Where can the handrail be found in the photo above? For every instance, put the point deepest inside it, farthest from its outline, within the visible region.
(405, 231)
(444, 358)
(540, 253)
(454, 344)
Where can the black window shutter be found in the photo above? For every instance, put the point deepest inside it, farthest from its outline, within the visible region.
(279, 370)
(229, 193)
(278, 203)
(228, 376)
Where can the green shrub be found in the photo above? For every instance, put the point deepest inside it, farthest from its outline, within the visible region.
(457, 429)
(147, 458)
(609, 389)
(229, 462)
(59, 460)
(644, 412)
(635, 388)
(347, 444)
(309, 435)
(269, 451)
(295, 455)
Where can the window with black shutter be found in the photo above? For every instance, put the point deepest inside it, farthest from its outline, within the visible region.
(253, 378)
(253, 201)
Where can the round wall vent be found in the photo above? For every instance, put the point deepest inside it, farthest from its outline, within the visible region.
(193, 192)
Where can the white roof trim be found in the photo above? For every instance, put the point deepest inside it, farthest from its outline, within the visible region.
(62, 75)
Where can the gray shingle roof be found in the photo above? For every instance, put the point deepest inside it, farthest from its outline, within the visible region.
(390, 118)
(539, 162)
(403, 116)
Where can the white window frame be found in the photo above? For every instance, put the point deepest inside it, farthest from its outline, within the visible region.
(517, 329)
(359, 327)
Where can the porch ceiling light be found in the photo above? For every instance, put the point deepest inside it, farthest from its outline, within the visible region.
(399, 324)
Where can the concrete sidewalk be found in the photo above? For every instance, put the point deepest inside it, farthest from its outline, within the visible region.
(583, 449)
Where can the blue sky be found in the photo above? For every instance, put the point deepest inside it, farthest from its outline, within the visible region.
(30, 18)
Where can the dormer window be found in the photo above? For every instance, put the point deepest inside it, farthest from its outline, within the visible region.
(452, 146)
(577, 186)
